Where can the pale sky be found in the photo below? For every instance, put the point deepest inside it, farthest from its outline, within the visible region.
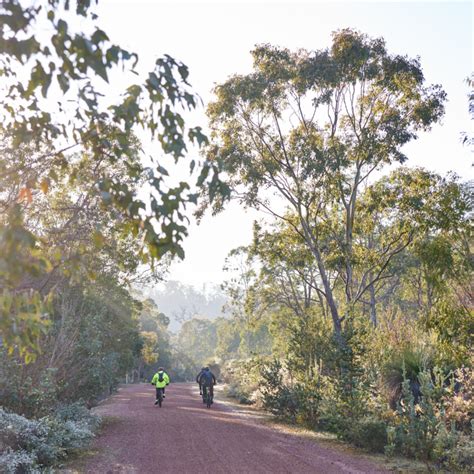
(214, 39)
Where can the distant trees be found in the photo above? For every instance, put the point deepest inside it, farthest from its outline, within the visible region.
(182, 302)
(156, 341)
(197, 338)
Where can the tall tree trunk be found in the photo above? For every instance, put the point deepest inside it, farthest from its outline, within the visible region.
(336, 320)
(373, 307)
(373, 301)
(311, 241)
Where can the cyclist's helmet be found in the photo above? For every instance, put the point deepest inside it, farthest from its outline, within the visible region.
(160, 369)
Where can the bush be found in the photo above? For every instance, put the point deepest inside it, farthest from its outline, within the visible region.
(459, 400)
(432, 420)
(298, 402)
(278, 398)
(12, 462)
(238, 392)
(309, 398)
(369, 433)
(32, 444)
(417, 422)
(424, 430)
(25, 389)
(460, 458)
(243, 379)
(17, 433)
(318, 401)
(405, 365)
(78, 413)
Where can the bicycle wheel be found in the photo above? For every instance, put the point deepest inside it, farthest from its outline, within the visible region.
(160, 398)
(208, 401)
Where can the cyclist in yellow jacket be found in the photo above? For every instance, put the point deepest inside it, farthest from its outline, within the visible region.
(160, 380)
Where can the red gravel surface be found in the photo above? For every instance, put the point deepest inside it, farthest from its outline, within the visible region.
(185, 437)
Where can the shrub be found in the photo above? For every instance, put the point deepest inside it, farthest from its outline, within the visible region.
(405, 365)
(460, 458)
(369, 433)
(344, 402)
(238, 392)
(416, 425)
(318, 401)
(78, 413)
(278, 398)
(459, 400)
(309, 397)
(26, 390)
(31, 444)
(420, 430)
(18, 433)
(243, 379)
(12, 462)
(298, 402)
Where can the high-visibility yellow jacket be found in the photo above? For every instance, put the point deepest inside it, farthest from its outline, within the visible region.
(156, 379)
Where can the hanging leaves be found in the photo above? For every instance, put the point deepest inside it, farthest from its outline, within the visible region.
(54, 98)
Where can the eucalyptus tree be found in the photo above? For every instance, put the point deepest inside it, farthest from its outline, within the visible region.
(312, 128)
(198, 339)
(431, 280)
(403, 215)
(244, 303)
(287, 290)
(287, 276)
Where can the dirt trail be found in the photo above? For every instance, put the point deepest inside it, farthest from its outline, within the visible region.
(185, 437)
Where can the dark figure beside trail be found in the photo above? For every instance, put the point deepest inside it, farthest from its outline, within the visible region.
(206, 380)
(198, 377)
(160, 380)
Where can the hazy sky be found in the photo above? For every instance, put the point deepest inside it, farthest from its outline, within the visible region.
(214, 40)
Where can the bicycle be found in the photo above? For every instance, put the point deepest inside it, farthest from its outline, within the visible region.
(206, 396)
(159, 394)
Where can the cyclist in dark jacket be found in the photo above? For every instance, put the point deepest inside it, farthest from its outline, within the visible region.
(206, 379)
(197, 379)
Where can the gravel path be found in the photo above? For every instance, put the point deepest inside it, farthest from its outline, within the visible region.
(185, 437)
